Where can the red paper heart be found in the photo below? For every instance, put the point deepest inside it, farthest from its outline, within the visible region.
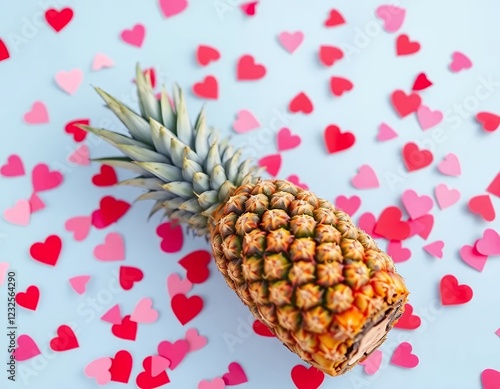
(307, 378)
(145, 379)
(206, 54)
(247, 69)
(106, 176)
(261, 329)
(301, 103)
(196, 264)
(494, 187)
(28, 299)
(482, 206)
(171, 236)
(186, 309)
(390, 225)
(452, 293)
(422, 226)
(65, 339)
(47, 252)
(406, 47)
(127, 329)
(207, 89)
(110, 211)
(72, 128)
(335, 18)
(45, 179)
(235, 376)
(249, 8)
(121, 367)
(489, 121)
(403, 356)
(4, 52)
(58, 19)
(272, 163)
(405, 104)
(328, 55)
(286, 140)
(414, 158)
(408, 321)
(367, 222)
(336, 140)
(130, 275)
(340, 85)
(421, 82)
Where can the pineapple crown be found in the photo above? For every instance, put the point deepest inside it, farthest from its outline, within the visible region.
(188, 170)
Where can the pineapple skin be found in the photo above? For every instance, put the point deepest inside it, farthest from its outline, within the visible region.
(307, 272)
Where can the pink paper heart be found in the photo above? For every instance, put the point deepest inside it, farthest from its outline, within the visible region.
(158, 365)
(245, 121)
(13, 168)
(26, 349)
(236, 375)
(44, 179)
(144, 312)
(489, 244)
(272, 164)
(473, 258)
(101, 61)
(497, 332)
(450, 166)
(398, 252)
(216, 383)
(490, 379)
(428, 118)
(79, 226)
(416, 206)
(435, 249)
(172, 7)
(403, 356)
(38, 114)
(446, 197)
(99, 370)
(19, 214)
(81, 156)
(286, 140)
(113, 315)
(69, 81)
(366, 178)
(392, 16)
(113, 248)
(134, 36)
(291, 40)
(367, 223)
(36, 203)
(174, 352)
(293, 178)
(176, 285)
(373, 362)
(348, 204)
(386, 133)
(459, 62)
(3, 271)
(195, 340)
(79, 283)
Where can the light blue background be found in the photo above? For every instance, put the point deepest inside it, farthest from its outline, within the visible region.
(454, 344)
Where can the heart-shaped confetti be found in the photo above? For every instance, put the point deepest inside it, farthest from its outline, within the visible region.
(450, 166)
(127, 329)
(69, 81)
(106, 177)
(81, 156)
(328, 55)
(45, 179)
(47, 252)
(489, 244)
(208, 88)
(249, 8)
(171, 8)
(195, 340)
(482, 206)
(408, 321)
(287, 140)
(294, 179)
(366, 178)
(340, 85)
(186, 309)
(404, 46)
(416, 206)
(79, 226)
(147, 380)
(19, 214)
(490, 379)
(176, 285)
(403, 356)
(301, 103)
(390, 225)
(397, 252)
(4, 266)
(73, 128)
(367, 222)
(459, 62)
(79, 283)
(36, 203)
(348, 204)
(129, 275)
(158, 365)
(101, 61)
(58, 20)
(494, 186)
(144, 312)
(291, 40)
(245, 121)
(65, 339)
(206, 54)
(99, 370)
(392, 16)
(112, 315)
(38, 114)
(405, 104)
(373, 362)
(385, 132)
(109, 212)
(113, 248)
(29, 299)
(445, 196)
(452, 293)
(13, 168)
(272, 163)
(248, 69)
(134, 36)
(335, 18)
(235, 376)
(121, 367)
(261, 329)
(416, 159)
(421, 82)
(473, 258)
(307, 377)
(216, 383)
(421, 226)
(489, 121)
(26, 348)
(336, 140)
(196, 264)
(428, 118)
(174, 352)
(435, 249)
(4, 51)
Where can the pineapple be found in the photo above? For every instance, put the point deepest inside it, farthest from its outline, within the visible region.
(300, 265)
